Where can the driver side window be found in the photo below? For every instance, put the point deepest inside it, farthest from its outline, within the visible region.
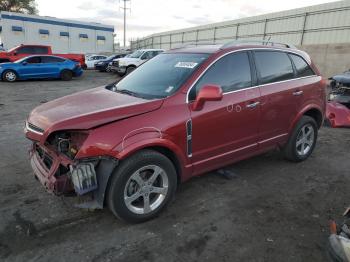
(231, 73)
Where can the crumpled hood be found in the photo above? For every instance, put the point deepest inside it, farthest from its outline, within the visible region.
(88, 109)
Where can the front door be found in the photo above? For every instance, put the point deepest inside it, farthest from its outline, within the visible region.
(31, 67)
(227, 130)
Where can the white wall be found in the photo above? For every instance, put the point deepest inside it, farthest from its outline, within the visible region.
(59, 44)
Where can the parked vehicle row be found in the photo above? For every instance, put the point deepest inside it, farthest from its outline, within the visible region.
(185, 112)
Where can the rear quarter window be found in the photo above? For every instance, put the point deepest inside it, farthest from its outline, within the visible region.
(273, 66)
(303, 68)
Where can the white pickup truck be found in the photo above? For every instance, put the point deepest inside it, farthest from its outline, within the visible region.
(125, 65)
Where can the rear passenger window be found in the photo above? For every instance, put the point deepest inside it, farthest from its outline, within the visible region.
(303, 69)
(273, 66)
(51, 59)
(232, 72)
(33, 60)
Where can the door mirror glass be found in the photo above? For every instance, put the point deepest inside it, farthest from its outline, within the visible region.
(24, 63)
(207, 93)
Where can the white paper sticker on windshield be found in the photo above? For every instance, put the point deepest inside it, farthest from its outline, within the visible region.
(186, 64)
(168, 90)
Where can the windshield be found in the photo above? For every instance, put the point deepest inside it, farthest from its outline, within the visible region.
(136, 54)
(22, 59)
(110, 57)
(12, 49)
(161, 76)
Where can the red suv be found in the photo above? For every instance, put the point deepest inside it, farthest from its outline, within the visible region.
(183, 113)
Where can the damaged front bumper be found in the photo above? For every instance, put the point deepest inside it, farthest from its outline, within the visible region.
(63, 176)
(337, 114)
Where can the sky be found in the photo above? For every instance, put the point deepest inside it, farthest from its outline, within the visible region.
(153, 16)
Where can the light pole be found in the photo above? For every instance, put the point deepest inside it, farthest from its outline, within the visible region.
(124, 9)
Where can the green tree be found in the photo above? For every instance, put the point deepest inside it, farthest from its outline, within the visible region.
(19, 6)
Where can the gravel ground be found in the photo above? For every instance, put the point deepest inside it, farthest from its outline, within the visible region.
(271, 210)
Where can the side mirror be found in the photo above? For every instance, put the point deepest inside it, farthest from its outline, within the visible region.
(207, 93)
(15, 53)
(25, 63)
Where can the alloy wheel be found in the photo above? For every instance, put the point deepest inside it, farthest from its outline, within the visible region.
(305, 140)
(146, 189)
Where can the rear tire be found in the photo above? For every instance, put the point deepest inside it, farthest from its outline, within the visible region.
(142, 186)
(302, 141)
(66, 75)
(9, 76)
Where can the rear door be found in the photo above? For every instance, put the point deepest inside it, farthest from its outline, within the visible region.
(280, 95)
(51, 66)
(224, 131)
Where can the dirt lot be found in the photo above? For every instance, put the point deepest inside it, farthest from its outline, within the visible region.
(272, 210)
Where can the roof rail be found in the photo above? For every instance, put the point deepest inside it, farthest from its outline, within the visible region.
(192, 44)
(260, 42)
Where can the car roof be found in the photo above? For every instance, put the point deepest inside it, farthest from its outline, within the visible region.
(212, 49)
(46, 56)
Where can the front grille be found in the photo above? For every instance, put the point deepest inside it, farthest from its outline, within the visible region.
(44, 157)
(116, 63)
(34, 128)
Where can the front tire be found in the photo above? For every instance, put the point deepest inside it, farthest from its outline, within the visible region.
(129, 70)
(9, 76)
(66, 75)
(142, 186)
(302, 141)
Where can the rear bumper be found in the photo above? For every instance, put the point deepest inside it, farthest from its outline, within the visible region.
(100, 67)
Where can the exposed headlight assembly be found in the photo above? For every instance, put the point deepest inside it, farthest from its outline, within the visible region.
(68, 142)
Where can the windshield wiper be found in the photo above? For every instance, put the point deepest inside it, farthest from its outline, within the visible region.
(128, 92)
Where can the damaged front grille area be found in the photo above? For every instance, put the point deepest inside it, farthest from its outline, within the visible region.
(44, 157)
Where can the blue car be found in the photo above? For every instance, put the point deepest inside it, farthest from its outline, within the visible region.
(39, 67)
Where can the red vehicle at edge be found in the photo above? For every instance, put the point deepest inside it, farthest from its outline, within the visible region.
(181, 114)
(22, 51)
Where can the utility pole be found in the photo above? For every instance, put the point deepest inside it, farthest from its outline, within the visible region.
(124, 9)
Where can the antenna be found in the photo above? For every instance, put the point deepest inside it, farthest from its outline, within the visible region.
(124, 10)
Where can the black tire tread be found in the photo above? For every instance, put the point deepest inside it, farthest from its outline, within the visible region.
(121, 175)
(289, 149)
(6, 71)
(66, 77)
